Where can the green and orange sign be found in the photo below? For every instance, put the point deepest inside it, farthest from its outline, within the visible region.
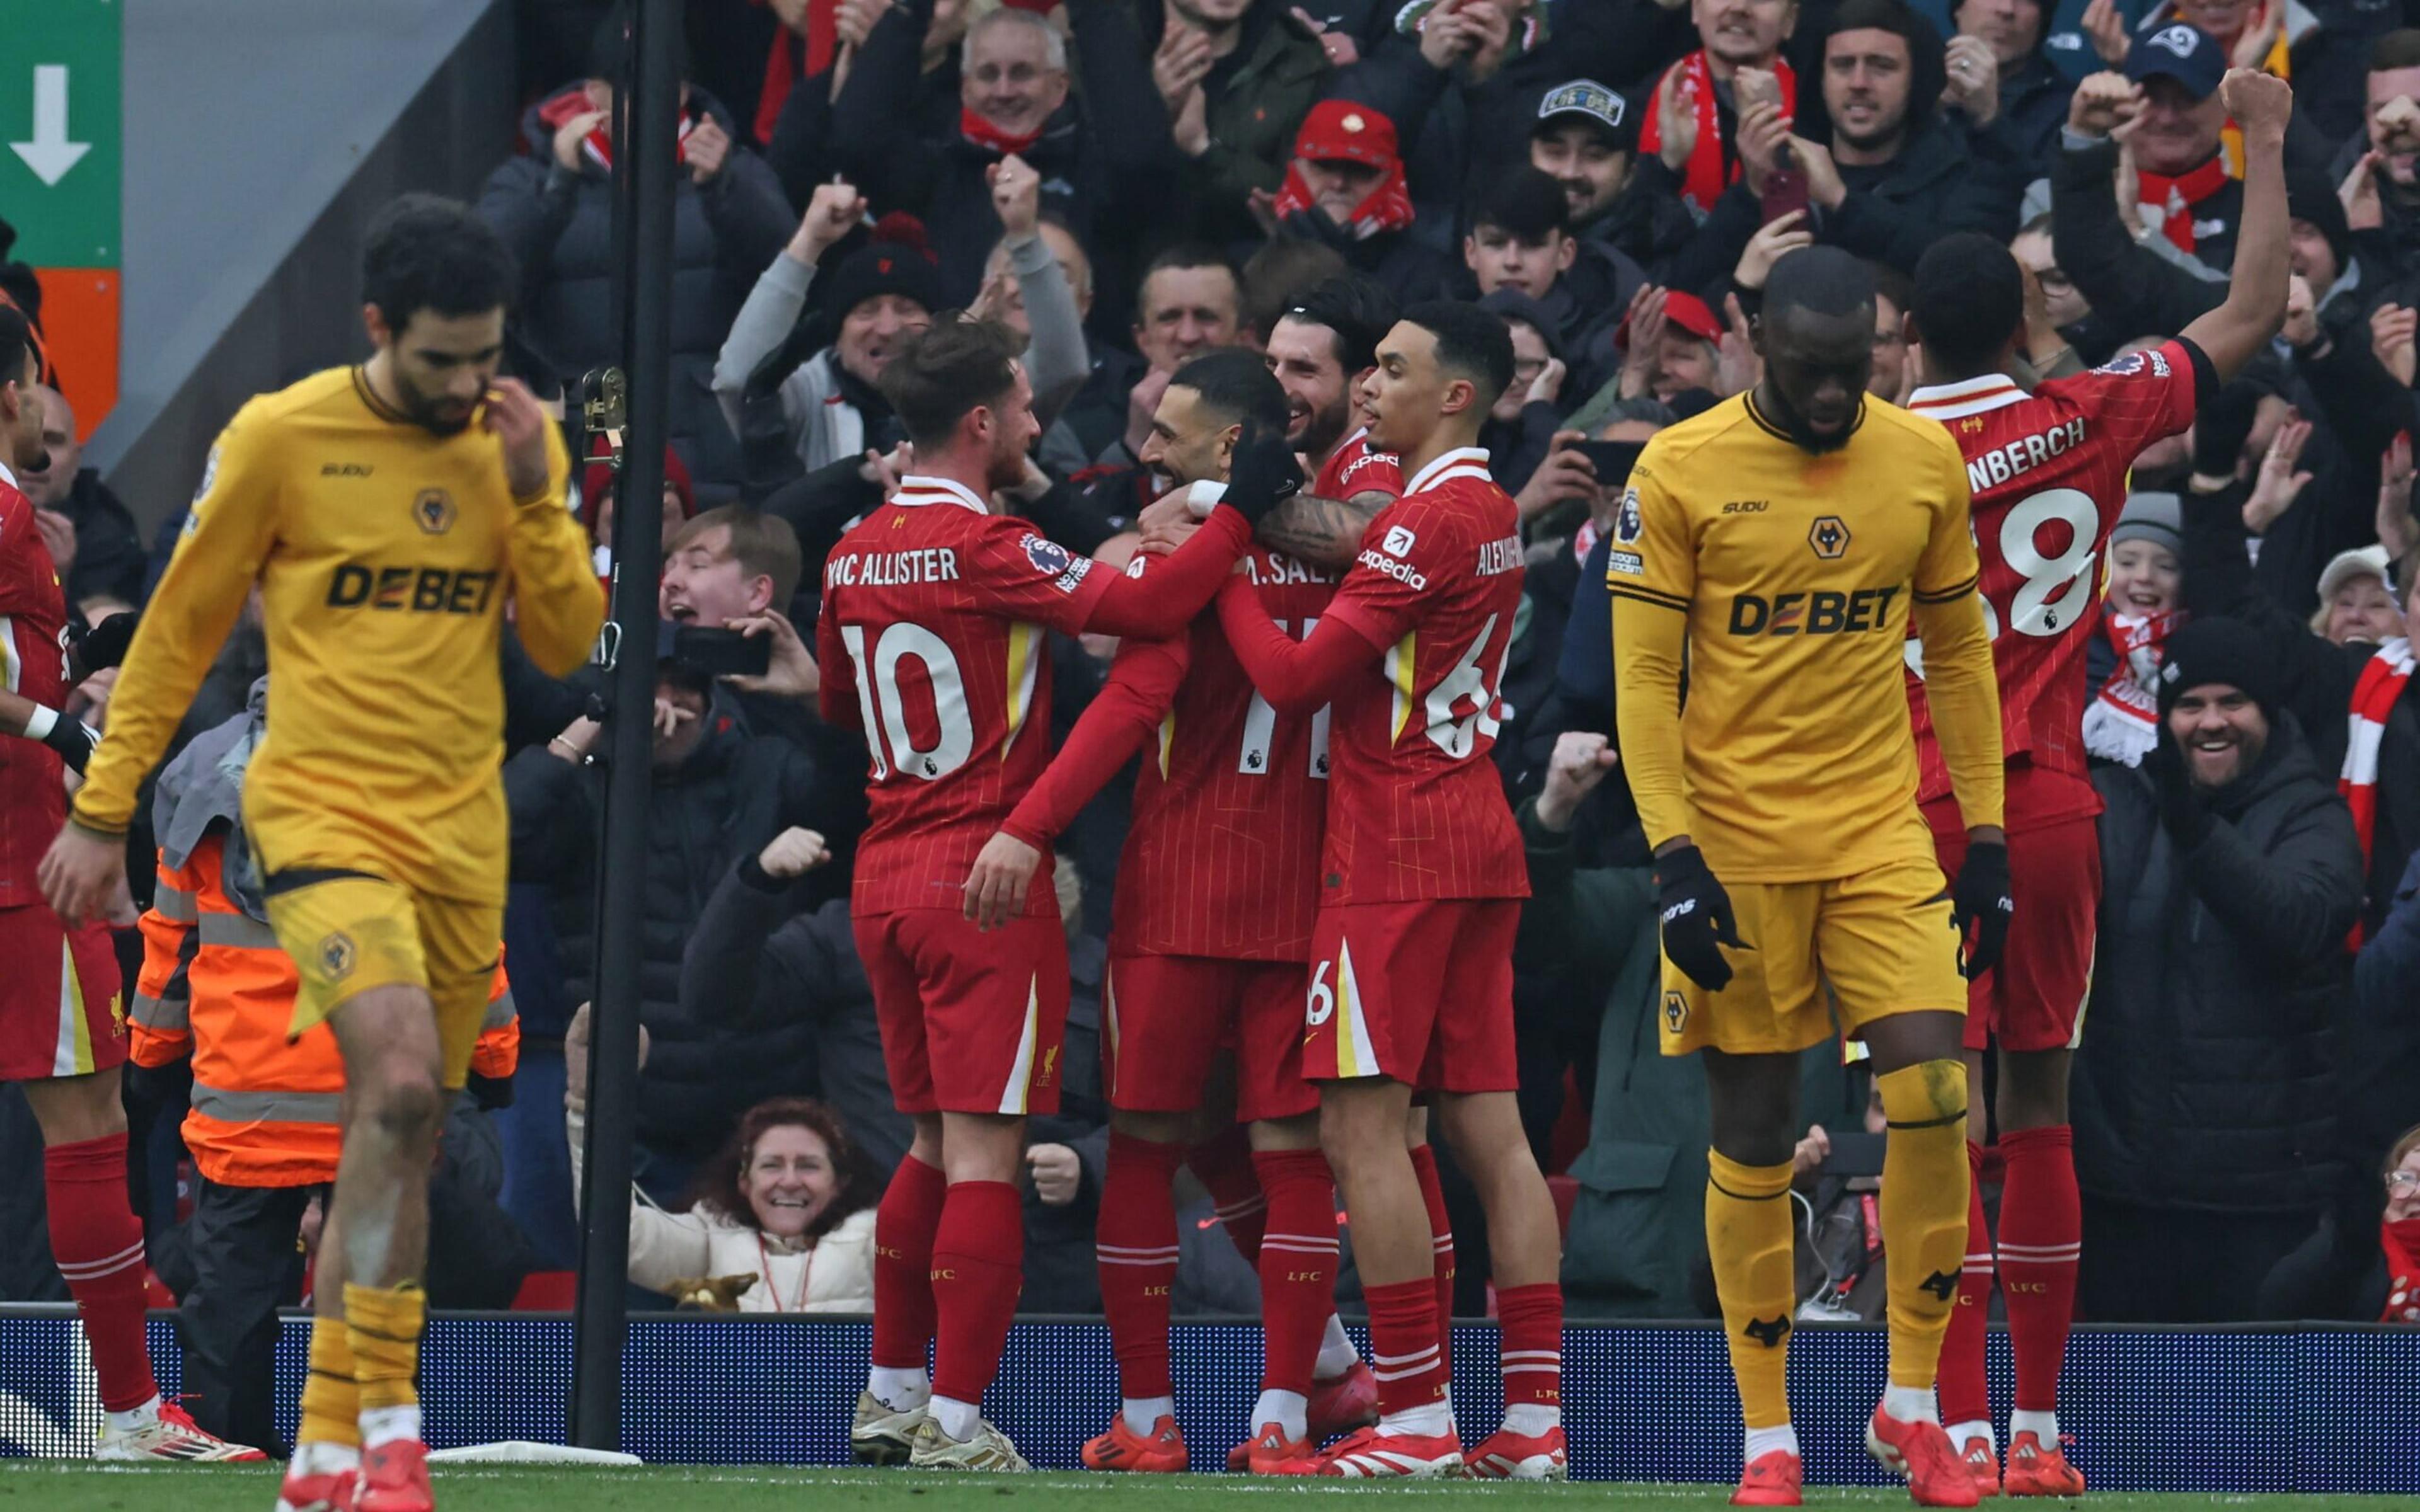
(60, 121)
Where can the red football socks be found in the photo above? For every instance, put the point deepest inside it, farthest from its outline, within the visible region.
(1298, 1258)
(978, 1270)
(1964, 1395)
(98, 1247)
(1441, 1245)
(2041, 1240)
(1403, 1349)
(1223, 1166)
(1531, 1321)
(1135, 1246)
(904, 1227)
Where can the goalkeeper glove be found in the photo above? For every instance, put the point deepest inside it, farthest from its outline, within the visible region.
(1981, 906)
(1263, 473)
(1695, 914)
(72, 739)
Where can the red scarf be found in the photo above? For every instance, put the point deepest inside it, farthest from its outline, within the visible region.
(1386, 208)
(600, 144)
(2401, 1239)
(2381, 682)
(2177, 196)
(1707, 177)
(983, 133)
(2122, 722)
(785, 67)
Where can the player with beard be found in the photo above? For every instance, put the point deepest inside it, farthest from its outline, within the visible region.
(1216, 890)
(2049, 471)
(1322, 350)
(931, 640)
(389, 514)
(1780, 542)
(62, 1031)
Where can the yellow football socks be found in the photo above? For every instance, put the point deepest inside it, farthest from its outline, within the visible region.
(1748, 1231)
(383, 1326)
(331, 1399)
(1924, 1211)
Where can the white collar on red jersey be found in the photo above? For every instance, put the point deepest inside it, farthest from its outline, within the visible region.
(919, 489)
(1462, 462)
(1975, 396)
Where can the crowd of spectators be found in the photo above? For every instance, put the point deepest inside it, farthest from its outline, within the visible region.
(1130, 183)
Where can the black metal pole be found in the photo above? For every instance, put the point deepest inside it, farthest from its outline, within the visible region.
(645, 154)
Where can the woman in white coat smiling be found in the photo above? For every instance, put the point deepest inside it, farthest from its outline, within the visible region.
(780, 1221)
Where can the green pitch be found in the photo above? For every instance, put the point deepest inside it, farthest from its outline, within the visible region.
(60, 1487)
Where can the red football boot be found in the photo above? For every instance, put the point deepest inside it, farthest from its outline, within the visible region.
(1772, 1479)
(1161, 1452)
(1936, 1476)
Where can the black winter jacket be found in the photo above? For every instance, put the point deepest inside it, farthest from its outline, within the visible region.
(734, 794)
(2206, 1081)
(560, 226)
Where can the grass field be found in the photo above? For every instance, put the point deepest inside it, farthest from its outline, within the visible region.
(53, 1487)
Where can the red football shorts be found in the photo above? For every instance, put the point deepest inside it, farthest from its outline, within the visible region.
(2034, 998)
(59, 1010)
(971, 1023)
(1417, 992)
(1164, 1019)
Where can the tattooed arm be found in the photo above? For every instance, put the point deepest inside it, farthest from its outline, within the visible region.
(1325, 532)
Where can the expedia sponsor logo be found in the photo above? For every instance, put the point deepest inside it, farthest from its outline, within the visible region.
(417, 590)
(1402, 572)
(1824, 612)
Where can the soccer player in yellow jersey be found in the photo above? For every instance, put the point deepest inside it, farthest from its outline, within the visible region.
(1783, 541)
(389, 512)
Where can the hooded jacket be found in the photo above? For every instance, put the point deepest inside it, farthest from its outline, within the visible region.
(560, 226)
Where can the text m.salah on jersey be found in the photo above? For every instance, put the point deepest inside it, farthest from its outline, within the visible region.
(892, 569)
(2001, 463)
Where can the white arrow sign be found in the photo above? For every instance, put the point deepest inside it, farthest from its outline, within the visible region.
(50, 154)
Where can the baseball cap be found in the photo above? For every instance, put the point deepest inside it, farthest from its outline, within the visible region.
(1349, 131)
(2342, 568)
(2190, 56)
(1587, 100)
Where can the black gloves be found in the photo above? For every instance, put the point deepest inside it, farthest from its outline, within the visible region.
(101, 647)
(1982, 905)
(1695, 916)
(74, 740)
(1262, 473)
(2181, 811)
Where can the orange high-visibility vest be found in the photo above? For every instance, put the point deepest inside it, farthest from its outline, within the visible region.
(215, 986)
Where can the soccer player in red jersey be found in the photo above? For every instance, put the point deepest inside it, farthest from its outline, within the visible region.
(931, 638)
(1215, 894)
(62, 1034)
(2048, 471)
(1421, 875)
(1320, 357)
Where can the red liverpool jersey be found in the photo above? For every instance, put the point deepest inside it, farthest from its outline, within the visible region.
(931, 636)
(2048, 472)
(1354, 467)
(1414, 809)
(1222, 859)
(34, 665)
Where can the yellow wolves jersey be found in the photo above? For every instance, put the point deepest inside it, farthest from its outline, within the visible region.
(386, 554)
(1790, 577)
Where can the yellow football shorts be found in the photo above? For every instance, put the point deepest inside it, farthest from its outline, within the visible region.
(1885, 940)
(350, 933)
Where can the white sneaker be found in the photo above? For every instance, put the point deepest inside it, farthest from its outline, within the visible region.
(881, 1434)
(989, 1449)
(170, 1437)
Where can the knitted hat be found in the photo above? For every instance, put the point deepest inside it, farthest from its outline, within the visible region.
(895, 261)
(2309, 196)
(2215, 650)
(2153, 516)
